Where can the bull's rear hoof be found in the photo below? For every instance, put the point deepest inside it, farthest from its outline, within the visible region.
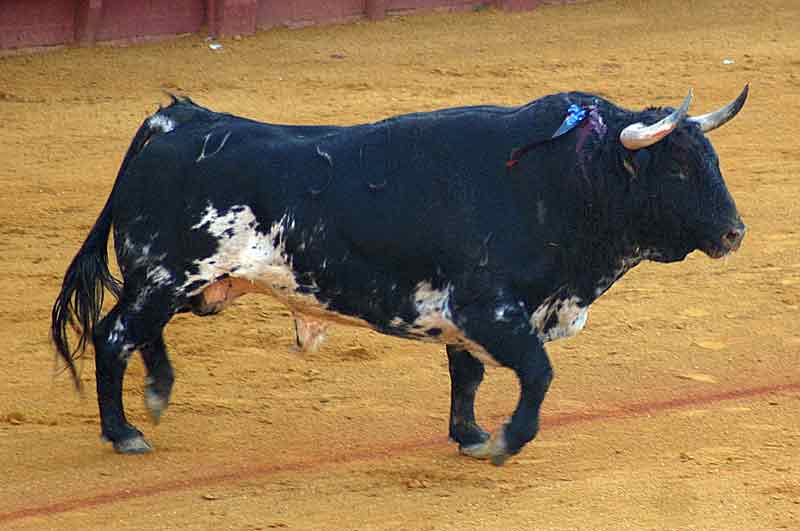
(134, 445)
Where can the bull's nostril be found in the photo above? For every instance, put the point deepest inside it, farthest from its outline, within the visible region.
(733, 238)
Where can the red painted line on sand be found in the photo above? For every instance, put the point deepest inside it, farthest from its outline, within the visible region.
(620, 412)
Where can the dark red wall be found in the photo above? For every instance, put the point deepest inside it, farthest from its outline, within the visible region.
(305, 12)
(26, 23)
(36, 22)
(399, 6)
(129, 19)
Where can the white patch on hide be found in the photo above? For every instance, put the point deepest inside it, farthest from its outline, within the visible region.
(433, 306)
(159, 276)
(116, 331)
(243, 250)
(162, 123)
(570, 318)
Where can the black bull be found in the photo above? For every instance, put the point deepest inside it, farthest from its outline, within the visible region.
(475, 227)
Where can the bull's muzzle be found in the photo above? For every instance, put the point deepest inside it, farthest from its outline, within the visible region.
(732, 239)
(729, 241)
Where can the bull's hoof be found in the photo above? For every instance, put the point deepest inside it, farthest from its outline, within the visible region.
(478, 451)
(494, 449)
(155, 404)
(133, 445)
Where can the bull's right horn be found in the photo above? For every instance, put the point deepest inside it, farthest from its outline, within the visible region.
(709, 122)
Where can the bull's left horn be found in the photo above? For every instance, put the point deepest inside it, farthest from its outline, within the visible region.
(638, 136)
(709, 122)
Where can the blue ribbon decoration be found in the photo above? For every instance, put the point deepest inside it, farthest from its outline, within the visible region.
(575, 115)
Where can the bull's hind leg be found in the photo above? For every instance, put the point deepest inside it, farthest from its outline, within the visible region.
(466, 374)
(160, 377)
(127, 327)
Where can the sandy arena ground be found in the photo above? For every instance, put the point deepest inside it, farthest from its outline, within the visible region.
(675, 409)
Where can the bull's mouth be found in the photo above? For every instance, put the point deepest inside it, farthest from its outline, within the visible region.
(716, 251)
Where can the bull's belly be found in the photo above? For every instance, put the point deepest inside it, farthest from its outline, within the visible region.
(554, 319)
(311, 318)
(433, 323)
(217, 296)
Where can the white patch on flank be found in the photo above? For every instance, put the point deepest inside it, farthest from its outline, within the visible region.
(163, 123)
(156, 275)
(570, 318)
(243, 250)
(159, 275)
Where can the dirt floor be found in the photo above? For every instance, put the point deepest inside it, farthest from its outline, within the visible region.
(676, 408)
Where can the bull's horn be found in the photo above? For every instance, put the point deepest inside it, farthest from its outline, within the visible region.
(709, 122)
(638, 135)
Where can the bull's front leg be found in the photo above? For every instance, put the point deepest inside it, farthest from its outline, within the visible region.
(504, 330)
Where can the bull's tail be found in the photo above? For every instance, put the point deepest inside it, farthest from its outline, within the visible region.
(81, 298)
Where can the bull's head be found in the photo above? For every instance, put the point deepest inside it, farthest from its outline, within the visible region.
(688, 205)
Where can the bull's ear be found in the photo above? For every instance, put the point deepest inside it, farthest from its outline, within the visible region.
(638, 136)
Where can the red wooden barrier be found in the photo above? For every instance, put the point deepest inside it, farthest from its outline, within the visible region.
(26, 23)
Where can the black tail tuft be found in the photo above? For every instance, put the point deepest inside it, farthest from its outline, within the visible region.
(82, 293)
